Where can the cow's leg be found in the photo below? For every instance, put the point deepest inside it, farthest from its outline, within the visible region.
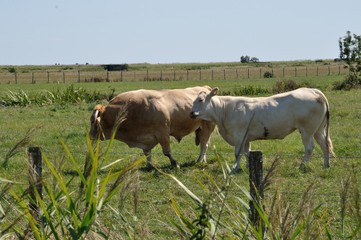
(203, 135)
(320, 137)
(165, 143)
(307, 140)
(240, 149)
(238, 155)
(173, 162)
(202, 154)
(247, 148)
(148, 153)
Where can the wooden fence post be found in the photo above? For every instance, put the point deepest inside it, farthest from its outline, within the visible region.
(256, 186)
(16, 77)
(32, 78)
(35, 180)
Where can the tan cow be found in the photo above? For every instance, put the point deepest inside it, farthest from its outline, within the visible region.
(241, 120)
(151, 117)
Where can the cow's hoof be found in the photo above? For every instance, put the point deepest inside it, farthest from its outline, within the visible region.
(149, 167)
(175, 165)
(305, 168)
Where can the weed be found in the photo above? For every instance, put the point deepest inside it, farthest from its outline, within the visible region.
(288, 85)
(70, 95)
(65, 214)
(19, 145)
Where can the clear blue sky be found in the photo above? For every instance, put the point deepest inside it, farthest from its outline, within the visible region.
(164, 31)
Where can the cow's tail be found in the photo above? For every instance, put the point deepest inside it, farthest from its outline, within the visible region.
(328, 138)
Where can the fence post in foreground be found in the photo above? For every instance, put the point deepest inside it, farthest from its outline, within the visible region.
(35, 180)
(256, 186)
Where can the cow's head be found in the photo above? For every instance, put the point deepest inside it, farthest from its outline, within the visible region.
(202, 104)
(95, 123)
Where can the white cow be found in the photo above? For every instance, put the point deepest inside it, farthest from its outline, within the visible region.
(241, 120)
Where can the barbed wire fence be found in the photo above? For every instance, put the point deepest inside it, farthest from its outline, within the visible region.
(229, 155)
(77, 76)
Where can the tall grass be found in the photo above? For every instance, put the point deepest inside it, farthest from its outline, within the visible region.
(67, 212)
(69, 95)
(279, 219)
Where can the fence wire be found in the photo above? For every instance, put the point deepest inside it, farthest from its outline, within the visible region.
(73, 76)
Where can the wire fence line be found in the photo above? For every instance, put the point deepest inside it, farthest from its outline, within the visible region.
(210, 152)
(145, 187)
(71, 76)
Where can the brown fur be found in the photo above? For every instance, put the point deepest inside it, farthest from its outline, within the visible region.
(151, 118)
(100, 108)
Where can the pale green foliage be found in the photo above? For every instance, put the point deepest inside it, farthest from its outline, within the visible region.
(67, 213)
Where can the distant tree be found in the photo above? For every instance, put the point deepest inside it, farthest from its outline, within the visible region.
(350, 53)
(245, 59)
(254, 60)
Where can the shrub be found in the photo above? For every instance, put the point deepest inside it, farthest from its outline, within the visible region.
(12, 70)
(96, 79)
(352, 81)
(69, 95)
(268, 75)
(288, 85)
(246, 91)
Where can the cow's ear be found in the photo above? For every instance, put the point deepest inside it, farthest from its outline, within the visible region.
(100, 108)
(214, 91)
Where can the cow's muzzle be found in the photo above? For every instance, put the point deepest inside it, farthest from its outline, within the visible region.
(194, 115)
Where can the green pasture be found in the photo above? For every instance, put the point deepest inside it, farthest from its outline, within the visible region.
(144, 206)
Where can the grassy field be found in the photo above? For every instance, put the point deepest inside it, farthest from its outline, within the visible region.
(309, 202)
